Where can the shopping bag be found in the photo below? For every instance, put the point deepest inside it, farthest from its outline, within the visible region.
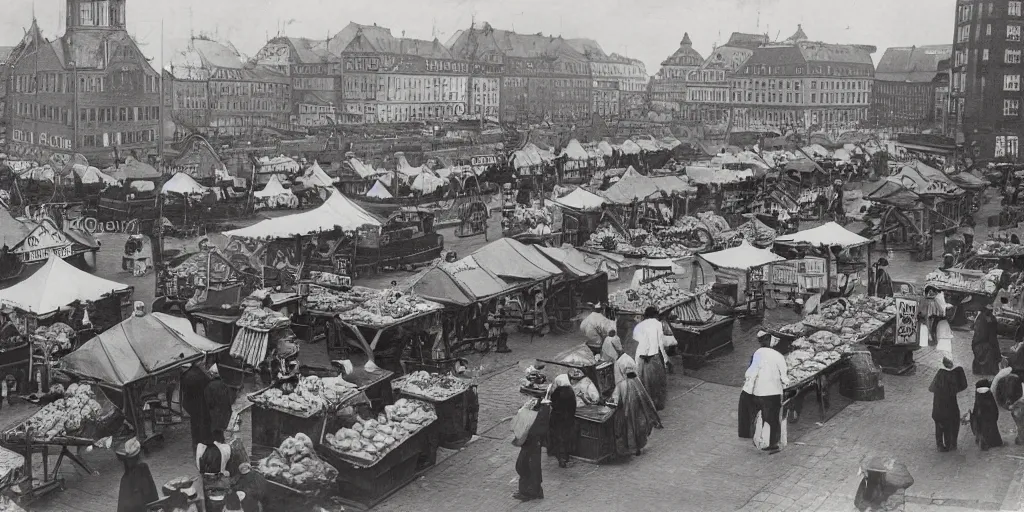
(944, 336)
(923, 335)
(762, 432)
(522, 422)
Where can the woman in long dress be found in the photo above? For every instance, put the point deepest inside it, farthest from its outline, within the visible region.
(563, 420)
(985, 343)
(137, 489)
(651, 357)
(528, 465)
(635, 414)
(985, 416)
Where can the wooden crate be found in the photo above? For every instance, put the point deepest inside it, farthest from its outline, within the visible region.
(377, 386)
(596, 441)
(451, 418)
(270, 427)
(698, 343)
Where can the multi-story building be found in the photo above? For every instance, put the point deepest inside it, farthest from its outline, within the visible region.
(986, 77)
(397, 80)
(544, 78)
(314, 74)
(709, 95)
(6, 52)
(805, 86)
(620, 83)
(668, 87)
(89, 91)
(214, 92)
(904, 94)
(943, 100)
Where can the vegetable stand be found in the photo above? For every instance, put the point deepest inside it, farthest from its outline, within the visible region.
(596, 441)
(965, 290)
(377, 386)
(794, 394)
(700, 342)
(271, 425)
(365, 480)
(452, 399)
(602, 374)
(688, 307)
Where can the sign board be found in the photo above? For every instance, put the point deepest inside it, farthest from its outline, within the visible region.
(906, 322)
(43, 254)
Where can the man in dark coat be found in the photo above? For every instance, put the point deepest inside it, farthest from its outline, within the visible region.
(562, 433)
(949, 380)
(528, 463)
(193, 399)
(137, 489)
(985, 343)
(218, 400)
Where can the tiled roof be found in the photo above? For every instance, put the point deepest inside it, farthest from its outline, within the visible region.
(741, 40)
(588, 47)
(912, 64)
(729, 58)
(309, 51)
(217, 55)
(779, 55)
(836, 53)
(423, 48)
(375, 39)
(483, 39)
(5, 53)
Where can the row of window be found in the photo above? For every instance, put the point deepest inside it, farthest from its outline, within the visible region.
(118, 114)
(46, 113)
(827, 70)
(53, 82)
(1013, 32)
(965, 12)
(106, 140)
(250, 89)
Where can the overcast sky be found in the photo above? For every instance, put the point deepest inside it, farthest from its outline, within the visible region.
(649, 30)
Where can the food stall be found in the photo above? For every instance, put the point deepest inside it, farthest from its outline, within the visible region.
(689, 311)
(297, 405)
(526, 265)
(151, 349)
(740, 276)
(843, 253)
(453, 399)
(581, 212)
(376, 456)
(263, 335)
(79, 418)
(584, 283)
(57, 293)
(202, 281)
(294, 472)
(965, 290)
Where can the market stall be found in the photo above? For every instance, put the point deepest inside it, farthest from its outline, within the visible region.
(454, 401)
(135, 364)
(275, 196)
(740, 276)
(262, 337)
(842, 251)
(298, 404)
(582, 211)
(965, 290)
(523, 264)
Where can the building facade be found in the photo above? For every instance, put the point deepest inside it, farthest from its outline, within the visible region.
(620, 87)
(904, 95)
(90, 91)
(213, 92)
(986, 69)
(668, 88)
(314, 75)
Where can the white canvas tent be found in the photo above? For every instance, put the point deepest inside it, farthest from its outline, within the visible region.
(183, 184)
(825, 235)
(316, 177)
(337, 212)
(55, 285)
(742, 257)
(89, 175)
(379, 191)
(582, 200)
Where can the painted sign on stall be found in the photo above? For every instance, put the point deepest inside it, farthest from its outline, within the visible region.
(906, 322)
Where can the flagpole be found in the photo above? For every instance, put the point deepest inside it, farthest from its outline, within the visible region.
(160, 129)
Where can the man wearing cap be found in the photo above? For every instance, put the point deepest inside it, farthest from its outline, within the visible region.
(218, 401)
(768, 377)
(253, 485)
(137, 489)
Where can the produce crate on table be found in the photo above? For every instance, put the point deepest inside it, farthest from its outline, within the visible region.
(295, 473)
(699, 343)
(449, 396)
(376, 385)
(364, 482)
(596, 441)
(272, 424)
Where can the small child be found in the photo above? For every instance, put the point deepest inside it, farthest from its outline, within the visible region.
(611, 348)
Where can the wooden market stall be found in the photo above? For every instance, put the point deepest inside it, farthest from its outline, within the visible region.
(136, 364)
(844, 254)
(523, 265)
(903, 222)
(740, 276)
(582, 212)
(941, 196)
(583, 283)
(454, 400)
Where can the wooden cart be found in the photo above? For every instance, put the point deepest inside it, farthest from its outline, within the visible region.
(698, 343)
(596, 441)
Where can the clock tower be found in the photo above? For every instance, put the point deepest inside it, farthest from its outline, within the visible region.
(95, 15)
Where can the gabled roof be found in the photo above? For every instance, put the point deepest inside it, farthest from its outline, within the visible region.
(835, 53)
(778, 55)
(482, 39)
(588, 47)
(912, 64)
(217, 55)
(374, 39)
(423, 48)
(749, 41)
(5, 53)
(728, 58)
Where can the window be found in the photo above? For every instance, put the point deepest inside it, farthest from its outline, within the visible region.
(1007, 145)
(1014, 8)
(1013, 32)
(984, 54)
(964, 33)
(988, 29)
(1012, 56)
(1011, 107)
(1011, 82)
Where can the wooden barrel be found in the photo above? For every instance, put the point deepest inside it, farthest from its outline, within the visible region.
(861, 381)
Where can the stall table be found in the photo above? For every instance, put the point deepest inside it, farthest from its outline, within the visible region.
(452, 415)
(596, 441)
(602, 374)
(698, 343)
(820, 382)
(376, 385)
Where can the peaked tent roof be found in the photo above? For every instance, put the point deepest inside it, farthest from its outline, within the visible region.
(55, 285)
(826, 234)
(273, 188)
(379, 191)
(337, 211)
(316, 177)
(137, 348)
(891, 191)
(742, 257)
(574, 151)
(132, 169)
(508, 258)
(581, 199)
(569, 259)
(632, 186)
(88, 175)
(182, 183)
(460, 283)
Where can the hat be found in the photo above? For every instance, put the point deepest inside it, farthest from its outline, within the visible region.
(947, 361)
(132, 447)
(575, 374)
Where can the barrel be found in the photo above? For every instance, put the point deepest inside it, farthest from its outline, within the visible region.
(861, 380)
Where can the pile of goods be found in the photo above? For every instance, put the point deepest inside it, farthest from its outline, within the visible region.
(813, 354)
(845, 318)
(337, 390)
(1000, 249)
(329, 279)
(680, 242)
(640, 242)
(963, 282)
(296, 465)
(661, 293)
(370, 440)
(262, 319)
(387, 307)
(757, 234)
(306, 399)
(869, 303)
(433, 386)
(58, 335)
(64, 417)
(193, 266)
(795, 329)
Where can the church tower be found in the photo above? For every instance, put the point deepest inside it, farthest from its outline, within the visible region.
(95, 15)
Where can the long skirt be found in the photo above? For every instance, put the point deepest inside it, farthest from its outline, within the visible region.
(632, 428)
(561, 437)
(651, 371)
(746, 415)
(528, 468)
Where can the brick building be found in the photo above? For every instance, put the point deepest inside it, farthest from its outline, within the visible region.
(985, 90)
(904, 96)
(89, 91)
(214, 92)
(314, 74)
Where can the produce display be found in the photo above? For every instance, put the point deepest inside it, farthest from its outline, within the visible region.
(1000, 249)
(64, 417)
(432, 385)
(986, 284)
(323, 299)
(387, 307)
(813, 354)
(662, 294)
(371, 439)
(296, 465)
(757, 233)
(306, 399)
(680, 242)
(844, 317)
(58, 335)
(329, 279)
(795, 329)
(262, 319)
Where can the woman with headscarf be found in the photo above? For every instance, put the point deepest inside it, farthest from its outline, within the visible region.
(948, 381)
(651, 356)
(985, 343)
(212, 460)
(562, 432)
(635, 414)
(137, 489)
(985, 417)
(883, 283)
(934, 312)
(528, 463)
(622, 365)
(584, 389)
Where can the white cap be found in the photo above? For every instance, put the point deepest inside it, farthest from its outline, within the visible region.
(215, 370)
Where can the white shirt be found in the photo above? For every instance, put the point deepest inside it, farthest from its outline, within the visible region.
(648, 337)
(767, 375)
